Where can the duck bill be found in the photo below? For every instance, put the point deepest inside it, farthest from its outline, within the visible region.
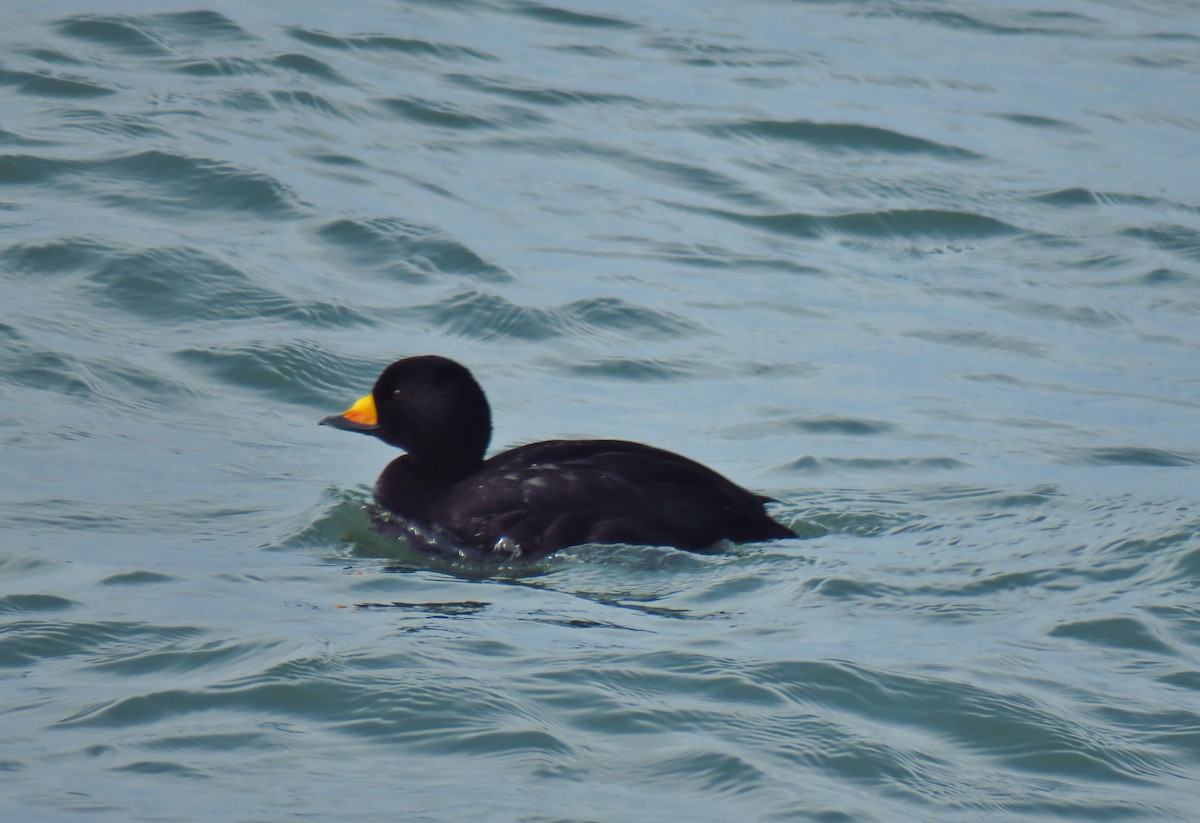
(361, 417)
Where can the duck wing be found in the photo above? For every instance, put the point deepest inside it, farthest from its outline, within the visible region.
(538, 498)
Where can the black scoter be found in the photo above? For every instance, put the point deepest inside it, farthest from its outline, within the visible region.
(535, 499)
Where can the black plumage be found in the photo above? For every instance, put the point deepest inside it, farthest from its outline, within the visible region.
(536, 499)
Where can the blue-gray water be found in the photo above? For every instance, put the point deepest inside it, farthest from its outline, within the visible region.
(928, 272)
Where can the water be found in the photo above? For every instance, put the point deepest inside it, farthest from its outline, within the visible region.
(929, 273)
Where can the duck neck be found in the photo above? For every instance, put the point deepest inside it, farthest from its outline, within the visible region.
(409, 485)
(442, 469)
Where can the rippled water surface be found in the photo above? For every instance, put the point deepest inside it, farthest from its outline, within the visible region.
(927, 272)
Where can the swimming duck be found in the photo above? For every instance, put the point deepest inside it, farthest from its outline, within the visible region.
(535, 499)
